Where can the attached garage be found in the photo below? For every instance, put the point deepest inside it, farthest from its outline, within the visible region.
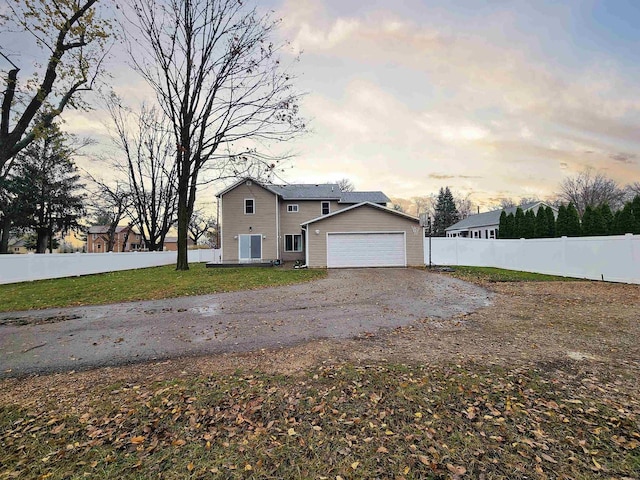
(364, 235)
(365, 249)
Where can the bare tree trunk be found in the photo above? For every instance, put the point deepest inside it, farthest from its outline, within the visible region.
(126, 239)
(42, 241)
(183, 224)
(4, 235)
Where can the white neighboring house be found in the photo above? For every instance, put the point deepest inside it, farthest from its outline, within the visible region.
(485, 225)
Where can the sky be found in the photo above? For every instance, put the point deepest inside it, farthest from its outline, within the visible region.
(494, 98)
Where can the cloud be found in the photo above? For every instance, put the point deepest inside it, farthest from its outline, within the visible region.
(624, 157)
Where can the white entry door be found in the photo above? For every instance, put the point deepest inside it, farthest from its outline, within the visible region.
(250, 248)
(380, 249)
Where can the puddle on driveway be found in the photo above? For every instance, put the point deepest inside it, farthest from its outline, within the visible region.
(207, 311)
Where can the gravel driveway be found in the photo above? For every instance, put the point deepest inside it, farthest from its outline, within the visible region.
(346, 303)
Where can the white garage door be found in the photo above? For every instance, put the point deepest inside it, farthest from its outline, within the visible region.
(366, 250)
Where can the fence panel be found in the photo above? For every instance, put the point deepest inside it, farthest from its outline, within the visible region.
(612, 258)
(21, 268)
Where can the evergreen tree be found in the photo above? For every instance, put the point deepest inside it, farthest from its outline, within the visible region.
(529, 225)
(635, 208)
(502, 227)
(446, 213)
(573, 221)
(551, 222)
(542, 229)
(607, 218)
(626, 220)
(599, 224)
(518, 231)
(561, 222)
(617, 228)
(511, 226)
(588, 222)
(46, 179)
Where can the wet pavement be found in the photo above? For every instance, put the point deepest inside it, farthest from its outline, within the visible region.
(346, 303)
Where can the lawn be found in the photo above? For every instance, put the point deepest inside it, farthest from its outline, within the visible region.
(491, 274)
(332, 422)
(144, 284)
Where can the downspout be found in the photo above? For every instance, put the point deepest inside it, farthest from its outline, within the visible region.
(277, 229)
(220, 237)
(306, 245)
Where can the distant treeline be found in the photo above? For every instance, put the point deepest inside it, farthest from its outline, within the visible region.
(595, 221)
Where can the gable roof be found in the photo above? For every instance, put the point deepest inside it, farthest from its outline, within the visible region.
(105, 228)
(311, 191)
(490, 218)
(359, 197)
(362, 204)
(242, 180)
(304, 191)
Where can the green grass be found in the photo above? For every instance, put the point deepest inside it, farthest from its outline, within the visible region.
(144, 284)
(344, 421)
(490, 274)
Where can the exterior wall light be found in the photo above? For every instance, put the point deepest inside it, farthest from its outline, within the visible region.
(317, 232)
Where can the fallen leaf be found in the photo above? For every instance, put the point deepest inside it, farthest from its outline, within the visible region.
(456, 469)
(547, 458)
(137, 440)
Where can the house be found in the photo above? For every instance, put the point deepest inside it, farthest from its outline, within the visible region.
(19, 245)
(317, 225)
(171, 244)
(485, 225)
(126, 239)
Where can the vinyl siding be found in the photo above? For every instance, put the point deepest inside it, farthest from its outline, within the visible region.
(364, 219)
(290, 222)
(236, 222)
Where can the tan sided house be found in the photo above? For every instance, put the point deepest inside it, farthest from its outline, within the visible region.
(316, 225)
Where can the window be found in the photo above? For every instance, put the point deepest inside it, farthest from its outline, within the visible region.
(249, 206)
(292, 208)
(293, 243)
(325, 208)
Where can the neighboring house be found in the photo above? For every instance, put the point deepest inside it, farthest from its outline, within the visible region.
(171, 244)
(18, 245)
(485, 225)
(126, 239)
(316, 225)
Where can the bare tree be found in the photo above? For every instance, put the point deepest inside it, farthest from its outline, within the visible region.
(346, 185)
(110, 205)
(506, 203)
(526, 200)
(218, 78)
(149, 164)
(200, 225)
(74, 37)
(590, 188)
(464, 205)
(423, 205)
(632, 190)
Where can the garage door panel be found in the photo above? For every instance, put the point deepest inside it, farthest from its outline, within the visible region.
(385, 249)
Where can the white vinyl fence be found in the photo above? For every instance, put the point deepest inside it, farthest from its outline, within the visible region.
(21, 268)
(612, 258)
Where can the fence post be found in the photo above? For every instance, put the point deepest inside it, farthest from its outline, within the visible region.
(564, 255)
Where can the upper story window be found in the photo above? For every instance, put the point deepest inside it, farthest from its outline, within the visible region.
(292, 208)
(249, 206)
(326, 208)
